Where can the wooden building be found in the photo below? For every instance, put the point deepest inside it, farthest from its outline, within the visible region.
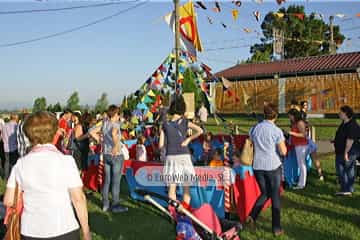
(326, 82)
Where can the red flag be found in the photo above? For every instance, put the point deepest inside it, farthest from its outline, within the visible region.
(300, 16)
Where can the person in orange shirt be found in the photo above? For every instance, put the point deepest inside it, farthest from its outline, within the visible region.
(217, 160)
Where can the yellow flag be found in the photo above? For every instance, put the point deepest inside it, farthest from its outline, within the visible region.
(151, 93)
(279, 15)
(149, 114)
(235, 14)
(190, 38)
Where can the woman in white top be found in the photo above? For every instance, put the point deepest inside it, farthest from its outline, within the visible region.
(51, 186)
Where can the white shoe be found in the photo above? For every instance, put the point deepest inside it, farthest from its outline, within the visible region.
(321, 178)
(105, 208)
(343, 193)
(298, 188)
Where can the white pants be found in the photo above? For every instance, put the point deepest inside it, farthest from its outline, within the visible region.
(300, 156)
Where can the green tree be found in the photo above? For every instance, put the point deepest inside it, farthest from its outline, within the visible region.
(39, 104)
(102, 103)
(302, 37)
(73, 103)
(57, 107)
(189, 86)
(124, 104)
(50, 108)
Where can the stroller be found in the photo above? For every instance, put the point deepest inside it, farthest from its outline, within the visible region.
(207, 225)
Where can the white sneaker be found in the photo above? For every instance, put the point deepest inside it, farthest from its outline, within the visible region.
(343, 193)
(298, 187)
(105, 208)
(321, 178)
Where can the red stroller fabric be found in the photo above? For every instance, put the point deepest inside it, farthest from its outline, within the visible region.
(89, 177)
(207, 215)
(246, 193)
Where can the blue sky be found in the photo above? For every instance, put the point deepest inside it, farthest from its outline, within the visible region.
(118, 55)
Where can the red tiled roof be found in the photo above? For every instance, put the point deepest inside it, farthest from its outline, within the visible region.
(343, 61)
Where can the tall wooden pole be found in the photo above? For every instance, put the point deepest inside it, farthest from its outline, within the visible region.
(177, 42)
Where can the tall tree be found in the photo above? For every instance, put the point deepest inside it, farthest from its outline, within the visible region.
(73, 103)
(50, 108)
(57, 107)
(39, 104)
(304, 35)
(124, 104)
(102, 103)
(189, 85)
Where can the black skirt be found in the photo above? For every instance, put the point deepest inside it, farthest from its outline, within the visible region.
(74, 235)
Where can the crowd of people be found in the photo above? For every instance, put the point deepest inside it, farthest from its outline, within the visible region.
(39, 146)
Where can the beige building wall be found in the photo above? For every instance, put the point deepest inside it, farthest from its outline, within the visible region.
(325, 93)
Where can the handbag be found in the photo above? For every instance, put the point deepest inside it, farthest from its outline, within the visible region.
(247, 154)
(13, 217)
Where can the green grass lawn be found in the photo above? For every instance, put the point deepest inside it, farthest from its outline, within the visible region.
(313, 213)
(325, 128)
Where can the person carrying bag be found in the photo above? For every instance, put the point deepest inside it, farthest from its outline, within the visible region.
(13, 217)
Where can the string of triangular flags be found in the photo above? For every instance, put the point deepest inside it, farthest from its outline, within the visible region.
(218, 7)
(163, 79)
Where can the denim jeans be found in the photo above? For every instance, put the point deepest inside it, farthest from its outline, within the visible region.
(269, 183)
(113, 173)
(346, 171)
(10, 160)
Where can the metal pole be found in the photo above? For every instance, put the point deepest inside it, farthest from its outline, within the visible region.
(332, 44)
(274, 42)
(177, 42)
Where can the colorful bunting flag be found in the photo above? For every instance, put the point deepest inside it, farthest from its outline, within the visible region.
(141, 106)
(182, 69)
(180, 79)
(247, 30)
(279, 14)
(148, 81)
(190, 39)
(259, 1)
(151, 94)
(132, 133)
(229, 92)
(217, 7)
(235, 14)
(147, 99)
(226, 83)
(162, 68)
(156, 82)
(280, 1)
(257, 15)
(201, 5)
(358, 15)
(237, 3)
(300, 16)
